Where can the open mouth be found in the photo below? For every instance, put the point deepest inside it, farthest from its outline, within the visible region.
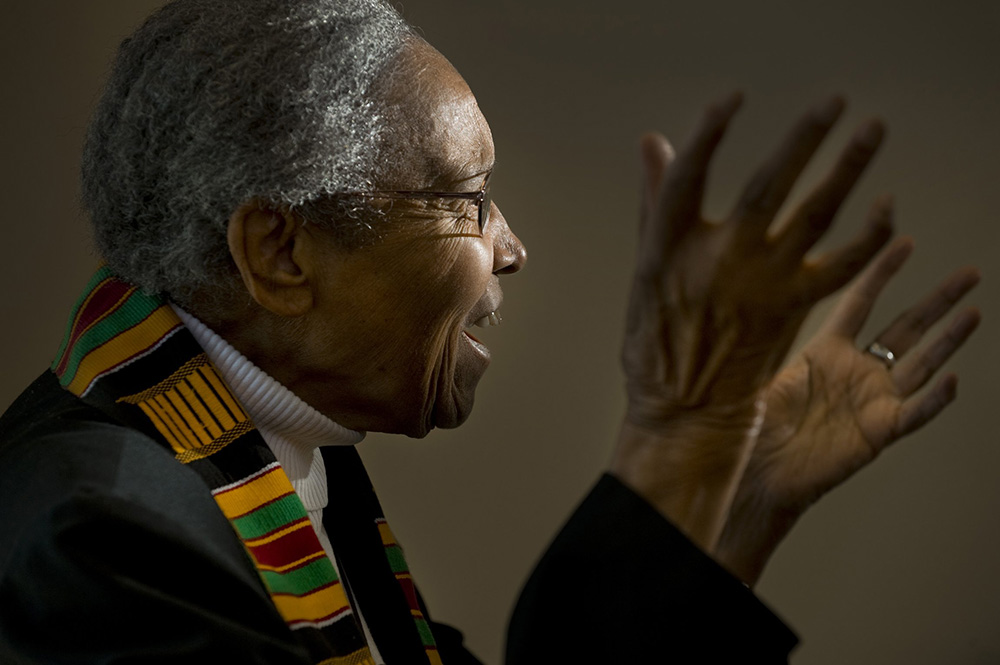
(488, 321)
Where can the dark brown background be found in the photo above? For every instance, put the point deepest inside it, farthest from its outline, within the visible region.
(900, 565)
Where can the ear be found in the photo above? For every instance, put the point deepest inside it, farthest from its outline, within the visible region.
(267, 246)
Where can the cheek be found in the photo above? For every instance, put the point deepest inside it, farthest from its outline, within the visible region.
(418, 297)
(450, 289)
(453, 280)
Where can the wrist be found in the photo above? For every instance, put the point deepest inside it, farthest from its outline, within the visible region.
(674, 417)
(752, 532)
(688, 468)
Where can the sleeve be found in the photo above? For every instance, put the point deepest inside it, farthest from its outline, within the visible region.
(102, 579)
(621, 584)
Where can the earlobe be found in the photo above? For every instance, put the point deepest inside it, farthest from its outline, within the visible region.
(263, 242)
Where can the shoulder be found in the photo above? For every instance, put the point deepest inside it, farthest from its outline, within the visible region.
(60, 457)
(100, 523)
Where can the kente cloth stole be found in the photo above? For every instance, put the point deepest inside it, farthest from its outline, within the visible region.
(128, 354)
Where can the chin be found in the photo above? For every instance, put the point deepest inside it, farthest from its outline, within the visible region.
(454, 398)
(456, 416)
(446, 413)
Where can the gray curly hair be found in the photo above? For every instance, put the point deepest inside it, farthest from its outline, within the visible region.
(212, 103)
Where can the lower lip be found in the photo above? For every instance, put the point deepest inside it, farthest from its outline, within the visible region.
(479, 347)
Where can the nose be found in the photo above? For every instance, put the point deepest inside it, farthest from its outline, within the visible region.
(509, 255)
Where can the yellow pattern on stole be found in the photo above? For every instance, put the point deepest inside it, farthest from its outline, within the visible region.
(193, 410)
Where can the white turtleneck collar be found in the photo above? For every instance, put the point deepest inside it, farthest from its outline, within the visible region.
(291, 428)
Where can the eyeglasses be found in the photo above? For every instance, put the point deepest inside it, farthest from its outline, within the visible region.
(482, 197)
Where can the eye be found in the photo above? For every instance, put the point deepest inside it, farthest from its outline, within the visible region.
(471, 215)
(467, 217)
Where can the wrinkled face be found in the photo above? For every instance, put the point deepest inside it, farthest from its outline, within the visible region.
(401, 359)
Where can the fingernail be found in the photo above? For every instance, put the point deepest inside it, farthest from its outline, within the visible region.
(722, 110)
(965, 284)
(964, 324)
(903, 246)
(831, 109)
(872, 134)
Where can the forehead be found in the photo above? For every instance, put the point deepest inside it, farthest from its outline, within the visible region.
(438, 135)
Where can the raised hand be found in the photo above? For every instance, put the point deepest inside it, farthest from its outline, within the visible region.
(835, 407)
(716, 305)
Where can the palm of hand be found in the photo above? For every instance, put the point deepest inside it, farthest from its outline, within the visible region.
(834, 408)
(828, 414)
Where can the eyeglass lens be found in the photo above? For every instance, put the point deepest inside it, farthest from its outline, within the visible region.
(485, 205)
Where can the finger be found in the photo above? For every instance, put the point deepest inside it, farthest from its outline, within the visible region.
(657, 154)
(839, 266)
(813, 217)
(774, 179)
(912, 373)
(920, 410)
(680, 197)
(856, 304)
(911, 325)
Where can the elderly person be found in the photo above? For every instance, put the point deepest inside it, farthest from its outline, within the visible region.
(292, 200)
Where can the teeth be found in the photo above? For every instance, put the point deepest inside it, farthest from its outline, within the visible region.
(491, 319)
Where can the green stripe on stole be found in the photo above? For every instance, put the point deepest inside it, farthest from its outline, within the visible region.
(396, 560)
(102, 274)
(302, 580)
(424, 629)
(133, 311)
(269, 517)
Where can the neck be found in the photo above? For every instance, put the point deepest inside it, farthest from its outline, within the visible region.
(271, 405)
(302, 357)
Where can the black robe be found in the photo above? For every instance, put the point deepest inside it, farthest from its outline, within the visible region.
(112, 552)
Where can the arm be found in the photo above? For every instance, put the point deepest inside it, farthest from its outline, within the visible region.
(620, 585)
(712, 439)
